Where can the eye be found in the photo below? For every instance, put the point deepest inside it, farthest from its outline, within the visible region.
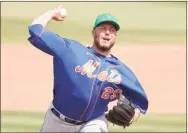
(102, 27)
(113, 30)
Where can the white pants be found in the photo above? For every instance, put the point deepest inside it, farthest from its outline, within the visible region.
(53, 124)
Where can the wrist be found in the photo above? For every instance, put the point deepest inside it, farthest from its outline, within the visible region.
(52, 13)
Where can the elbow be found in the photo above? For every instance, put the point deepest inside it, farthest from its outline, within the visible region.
(144, 108)
(142, 105)
(35, 31)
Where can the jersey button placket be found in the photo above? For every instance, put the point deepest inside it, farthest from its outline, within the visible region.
(92, 89)
(99, 88)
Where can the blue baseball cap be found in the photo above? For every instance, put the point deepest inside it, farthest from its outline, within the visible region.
(106, 18)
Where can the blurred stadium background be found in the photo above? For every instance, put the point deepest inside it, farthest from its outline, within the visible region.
(152, 41)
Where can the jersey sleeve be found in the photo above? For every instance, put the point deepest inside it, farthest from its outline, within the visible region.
(133, 90)
(47, 41)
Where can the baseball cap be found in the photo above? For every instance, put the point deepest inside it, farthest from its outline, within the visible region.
(103, 18)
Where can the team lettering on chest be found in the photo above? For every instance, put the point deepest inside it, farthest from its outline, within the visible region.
(89, 67)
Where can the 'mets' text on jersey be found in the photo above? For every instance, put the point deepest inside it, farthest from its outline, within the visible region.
(85, 81)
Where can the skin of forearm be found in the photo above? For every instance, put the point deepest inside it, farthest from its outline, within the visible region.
(44, 19)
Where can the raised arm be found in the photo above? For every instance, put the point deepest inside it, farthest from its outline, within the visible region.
(45, 40)
(45, 18)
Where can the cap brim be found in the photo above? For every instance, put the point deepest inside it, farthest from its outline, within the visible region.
(116, 25)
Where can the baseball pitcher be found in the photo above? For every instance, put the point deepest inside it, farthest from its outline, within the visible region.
(87, 79)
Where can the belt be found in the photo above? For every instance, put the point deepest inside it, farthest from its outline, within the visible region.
(68, 120)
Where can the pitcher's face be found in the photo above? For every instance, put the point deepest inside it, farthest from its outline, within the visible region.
(104, 36)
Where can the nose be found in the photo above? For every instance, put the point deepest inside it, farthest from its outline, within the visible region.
(107, 32)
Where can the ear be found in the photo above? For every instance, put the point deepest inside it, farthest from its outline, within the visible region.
(116, 33)
(93, 33)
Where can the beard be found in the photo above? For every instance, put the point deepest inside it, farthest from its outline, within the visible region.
(103, 48)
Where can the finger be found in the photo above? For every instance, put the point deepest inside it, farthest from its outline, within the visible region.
(136, 116)
(61, 18)
(59, 7)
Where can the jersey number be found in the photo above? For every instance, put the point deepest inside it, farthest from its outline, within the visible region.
(108, 91)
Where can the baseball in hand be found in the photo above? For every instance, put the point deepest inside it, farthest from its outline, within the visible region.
(63, 12)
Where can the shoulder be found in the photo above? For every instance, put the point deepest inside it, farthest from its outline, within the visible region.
(118, 62)
(123, 65)
(124, 68)
(70, 41)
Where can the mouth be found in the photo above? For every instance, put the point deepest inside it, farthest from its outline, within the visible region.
(106, 38)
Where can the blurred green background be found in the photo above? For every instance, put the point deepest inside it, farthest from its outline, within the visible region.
(31, 122)
(141, 22)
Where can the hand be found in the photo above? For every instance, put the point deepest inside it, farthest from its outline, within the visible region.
(124, 113)
(136, 115)
(56, 16)
(121, 100)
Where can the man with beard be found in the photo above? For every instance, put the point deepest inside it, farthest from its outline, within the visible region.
(87, 79)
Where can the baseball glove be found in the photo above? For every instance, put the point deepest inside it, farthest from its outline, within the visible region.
(122, 114)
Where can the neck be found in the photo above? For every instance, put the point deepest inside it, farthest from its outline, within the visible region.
(106, 53)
